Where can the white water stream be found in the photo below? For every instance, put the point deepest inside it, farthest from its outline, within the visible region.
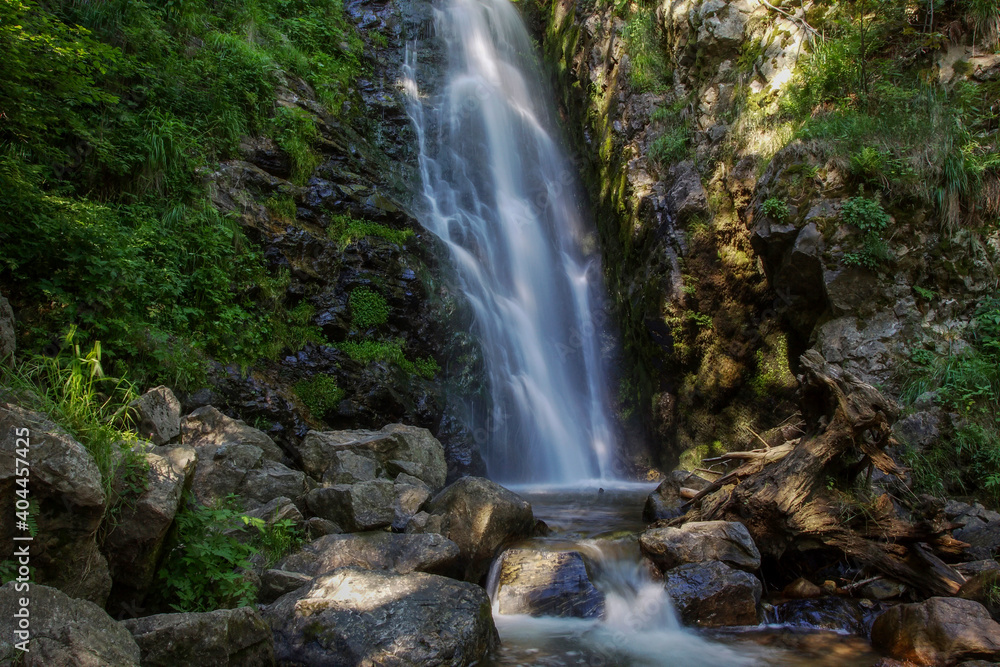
(503, 197)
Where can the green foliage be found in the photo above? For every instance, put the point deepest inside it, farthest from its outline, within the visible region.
(775, 208)
(649, 70)
(367, 351)
(345, 229)
(671, 146)
(966, 384)
(275, 539)
(112, 110)
(320, 394)
(203, 567)
(924, 293)
(868, 216)
(295, 131)
(368, 308)
(73, 390)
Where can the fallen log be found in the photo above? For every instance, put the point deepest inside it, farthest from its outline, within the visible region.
(803, 494)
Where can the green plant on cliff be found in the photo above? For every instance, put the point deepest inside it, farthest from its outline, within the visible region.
(368, 308)
(320, 394)
(775, 208)
(868, 216)
(367, 351)
(346, 229)
(204, 565)
(274, 539)
(295, 132)
(649, 69)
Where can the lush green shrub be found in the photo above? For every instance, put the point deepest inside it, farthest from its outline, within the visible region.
(295, 131)
(320, 394)
(670, 147)
(649, 69)
(204, 565)
(868, 216)
(346, 229)
(274, 539)
(368, 308)
(392, 352)
(775, 208)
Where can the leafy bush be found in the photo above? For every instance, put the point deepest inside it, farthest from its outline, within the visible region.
(320, 394)
(295, 132)
(346, 229)
(775, 208)
(276, 539)
(203, 567)
(368, 308)
(671, 146)
(868, 216)
(369, 350)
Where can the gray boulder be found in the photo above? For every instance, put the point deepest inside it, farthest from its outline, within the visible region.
(481, 517)
(699, 541)
(393, 450)
(410, 497)
(135, 543)
(274, 583)
(374, 551)
(8, 335)
(157, 415)
(66, 485)
(221, 638)
(712, 594)
(355, 507)
(938, 631)
(207, 427)
(65, 632)
(243, 469)
(546, 583)
(686, 197)
(352, 617)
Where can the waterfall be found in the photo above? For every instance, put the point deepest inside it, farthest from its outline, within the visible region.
(502, 195)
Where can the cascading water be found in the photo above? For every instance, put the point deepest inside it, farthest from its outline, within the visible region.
(501, 195)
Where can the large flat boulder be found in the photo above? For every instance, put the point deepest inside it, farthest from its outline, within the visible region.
(401, 553)
(65, 632)
(699, 541)
(712, 594)
(220, 638)
(135, 542)
(546, 583)
(352, 617)
(481, 517)
(66, 485)
(938, 631)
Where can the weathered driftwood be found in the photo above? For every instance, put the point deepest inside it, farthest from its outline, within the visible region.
(790, 498)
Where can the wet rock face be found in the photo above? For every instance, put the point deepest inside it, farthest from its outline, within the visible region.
(712, 594)
(65, 632)
(353, 617)
(699, 541)
(481, 517)
(66, 484)
(939, 631)
(547, 583)
(221, 638)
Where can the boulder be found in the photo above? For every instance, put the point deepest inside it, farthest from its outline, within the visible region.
(355, 507)
(134, 544)
(411, 496)
(278, 509)
(65, 632)
(802, 589)
(275, 583)
(65, 483)
(374, 551)
(481, 517)
(546, 583)
(243, 469)
(982, 536)
(317, 527)
(665, 501)
(207, 427)
(686, 197)
(712, 594)
(8, 334)
(352, 617)
(846, 615)
(393, 450)
(984, 588)
(938, 631)
(157, 415)
(699, 541)
(220, 638)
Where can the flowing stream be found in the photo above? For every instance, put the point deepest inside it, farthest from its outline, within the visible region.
(503, 197)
